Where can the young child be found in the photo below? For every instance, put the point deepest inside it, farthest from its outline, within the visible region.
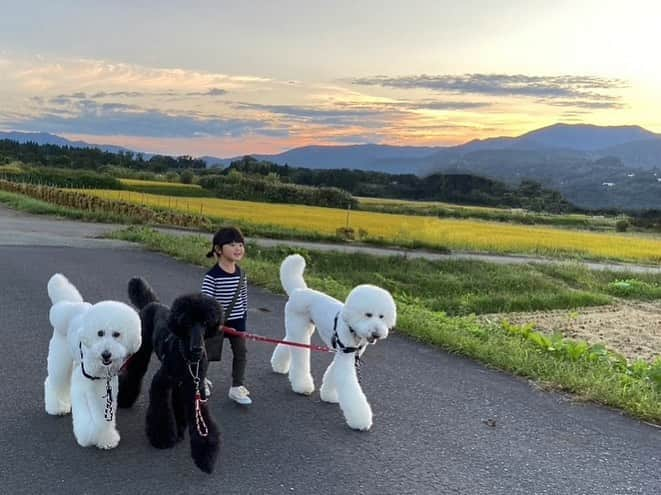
(226, 283)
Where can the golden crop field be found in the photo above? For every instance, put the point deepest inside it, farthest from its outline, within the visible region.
(423, 204)
(157, 183)
(484, 212)
(407, 230)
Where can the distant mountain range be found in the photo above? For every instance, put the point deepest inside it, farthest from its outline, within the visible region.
(593, 166)
(46, 138)
(633, 145)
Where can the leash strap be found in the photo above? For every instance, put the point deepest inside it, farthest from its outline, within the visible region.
(260, 338)
(200, 425)
(237, 293)
(108, 412)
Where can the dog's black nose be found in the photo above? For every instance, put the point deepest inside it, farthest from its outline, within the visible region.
(106, 355)
(375, 335)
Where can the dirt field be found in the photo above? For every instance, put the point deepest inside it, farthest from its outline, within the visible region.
(630, 328)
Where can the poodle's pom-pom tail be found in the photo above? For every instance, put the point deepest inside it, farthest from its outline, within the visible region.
(60, 289)
(291, 273)
(140, 293)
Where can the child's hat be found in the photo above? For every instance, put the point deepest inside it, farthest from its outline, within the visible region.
(225, 236)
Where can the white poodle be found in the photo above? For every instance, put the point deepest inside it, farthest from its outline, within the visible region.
(367, 315)
(90, 343)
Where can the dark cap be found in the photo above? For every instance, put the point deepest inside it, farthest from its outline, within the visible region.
(225, 235)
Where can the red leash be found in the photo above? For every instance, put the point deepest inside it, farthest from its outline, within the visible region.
(252, 336)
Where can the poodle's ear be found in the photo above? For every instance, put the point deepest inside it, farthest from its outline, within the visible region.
(213, 315)
(179, 321)
(85, 337)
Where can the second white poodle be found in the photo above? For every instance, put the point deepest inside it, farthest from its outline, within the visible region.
(90, 344)
(366, 316)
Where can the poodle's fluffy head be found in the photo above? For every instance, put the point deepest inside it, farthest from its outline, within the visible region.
(193, 318)
(370, 311)
(110, 332)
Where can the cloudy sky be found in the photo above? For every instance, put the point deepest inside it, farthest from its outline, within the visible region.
(212, 77)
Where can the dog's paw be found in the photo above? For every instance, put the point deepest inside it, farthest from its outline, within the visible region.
(108, 439)
(56, 404)
(302, 385)
(58, 407)
(280, 367)
(359, 423)
(163, 442)
(329, 395)
(205, 453)
(280, 361)
(357, 415)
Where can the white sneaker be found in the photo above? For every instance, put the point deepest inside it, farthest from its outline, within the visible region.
(208, 385)
(240, 395)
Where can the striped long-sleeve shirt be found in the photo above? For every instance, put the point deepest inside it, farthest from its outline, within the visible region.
(221, 285)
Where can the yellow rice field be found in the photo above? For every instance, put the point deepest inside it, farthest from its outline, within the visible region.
(157, 183)
(411, 230)
(423, 204)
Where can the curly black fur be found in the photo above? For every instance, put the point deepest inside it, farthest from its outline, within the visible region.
(170, 333)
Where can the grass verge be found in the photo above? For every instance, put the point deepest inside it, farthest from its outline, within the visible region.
(589, 372)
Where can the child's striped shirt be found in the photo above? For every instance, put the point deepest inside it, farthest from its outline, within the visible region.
(221, 285)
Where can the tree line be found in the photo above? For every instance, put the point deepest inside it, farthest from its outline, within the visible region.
(51, 155)
(454, 188)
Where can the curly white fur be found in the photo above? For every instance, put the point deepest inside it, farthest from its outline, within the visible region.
(366, 316)
(106, 333)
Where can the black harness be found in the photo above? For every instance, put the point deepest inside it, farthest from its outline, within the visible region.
(339, 346)
(337, 343)
(108, 412)
(82, 365)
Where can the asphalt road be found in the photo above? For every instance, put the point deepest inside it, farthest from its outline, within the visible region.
(443, 424)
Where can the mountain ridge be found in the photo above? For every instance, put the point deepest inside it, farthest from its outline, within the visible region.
(593, 140)
(592, 166)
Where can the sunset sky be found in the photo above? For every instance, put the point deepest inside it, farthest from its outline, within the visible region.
(228, 78)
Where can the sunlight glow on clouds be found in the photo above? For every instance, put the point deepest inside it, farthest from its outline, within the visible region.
(127, 103)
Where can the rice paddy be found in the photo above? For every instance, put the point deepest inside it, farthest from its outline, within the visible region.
(410, 230)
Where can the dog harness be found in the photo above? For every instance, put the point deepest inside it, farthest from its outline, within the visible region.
(108, 412)
(338, 345)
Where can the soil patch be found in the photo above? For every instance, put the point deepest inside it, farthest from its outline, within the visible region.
(631, 328)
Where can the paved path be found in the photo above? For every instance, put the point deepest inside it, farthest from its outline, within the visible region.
(432, 409)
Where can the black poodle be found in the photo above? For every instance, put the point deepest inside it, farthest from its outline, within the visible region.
(176, 397)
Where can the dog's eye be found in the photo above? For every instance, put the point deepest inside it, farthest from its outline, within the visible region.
(115, 334)
(381, 316)
(100, 333)
(369, 315)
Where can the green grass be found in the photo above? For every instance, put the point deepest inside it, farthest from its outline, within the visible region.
(432, 297)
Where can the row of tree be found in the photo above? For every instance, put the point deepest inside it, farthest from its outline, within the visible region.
(241, 186)
(51, 155)
(454, 188)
